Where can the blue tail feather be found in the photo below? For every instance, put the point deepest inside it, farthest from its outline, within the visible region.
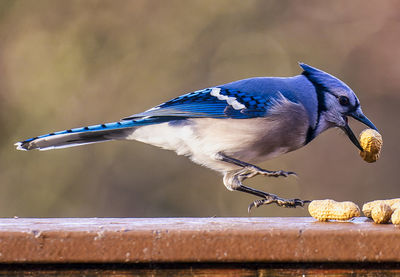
(88, 134)
(98, 127)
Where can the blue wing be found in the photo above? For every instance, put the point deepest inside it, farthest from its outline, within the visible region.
(217, 102)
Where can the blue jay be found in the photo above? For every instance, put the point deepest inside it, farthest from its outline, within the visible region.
(229, 127)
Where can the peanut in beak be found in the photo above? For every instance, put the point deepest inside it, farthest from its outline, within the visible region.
(371, 141)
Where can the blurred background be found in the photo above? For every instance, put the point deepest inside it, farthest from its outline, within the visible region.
(67, 64)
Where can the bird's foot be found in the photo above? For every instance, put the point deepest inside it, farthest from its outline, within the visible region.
(252, 170)
(286, 203)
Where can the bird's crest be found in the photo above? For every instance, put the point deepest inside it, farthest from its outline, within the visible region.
(321, 78)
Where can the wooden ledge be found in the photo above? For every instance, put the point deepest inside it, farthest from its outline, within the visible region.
(193, 240)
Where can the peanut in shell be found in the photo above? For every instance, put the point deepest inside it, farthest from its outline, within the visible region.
(367, 207)
(371, 142)
(395, 218)
(381, 213)
(328, 209)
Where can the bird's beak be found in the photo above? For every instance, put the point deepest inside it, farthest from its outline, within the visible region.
(358, 115)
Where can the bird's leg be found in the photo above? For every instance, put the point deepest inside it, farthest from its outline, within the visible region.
(233, 181)
(253, 170)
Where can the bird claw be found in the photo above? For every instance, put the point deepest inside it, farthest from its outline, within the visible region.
(286, 203)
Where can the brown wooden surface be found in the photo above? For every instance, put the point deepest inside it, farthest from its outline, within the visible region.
(115, 240)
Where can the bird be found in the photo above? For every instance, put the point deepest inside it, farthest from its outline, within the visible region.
(231, 127)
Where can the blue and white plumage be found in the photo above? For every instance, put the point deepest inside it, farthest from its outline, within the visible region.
(230, 126)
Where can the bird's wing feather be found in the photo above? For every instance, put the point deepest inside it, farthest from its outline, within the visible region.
(213, 103)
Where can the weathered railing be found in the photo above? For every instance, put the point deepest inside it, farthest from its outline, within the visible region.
(230, 241)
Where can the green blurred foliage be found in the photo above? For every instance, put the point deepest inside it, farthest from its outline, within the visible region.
(66, 64)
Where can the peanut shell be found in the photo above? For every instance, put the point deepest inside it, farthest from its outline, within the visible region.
(395, 206)
(381, 213)
(329, 209)
(371, 142)
(396, 217)
(367, 207)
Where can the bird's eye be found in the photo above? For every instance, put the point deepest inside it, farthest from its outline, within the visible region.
(344, 101)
